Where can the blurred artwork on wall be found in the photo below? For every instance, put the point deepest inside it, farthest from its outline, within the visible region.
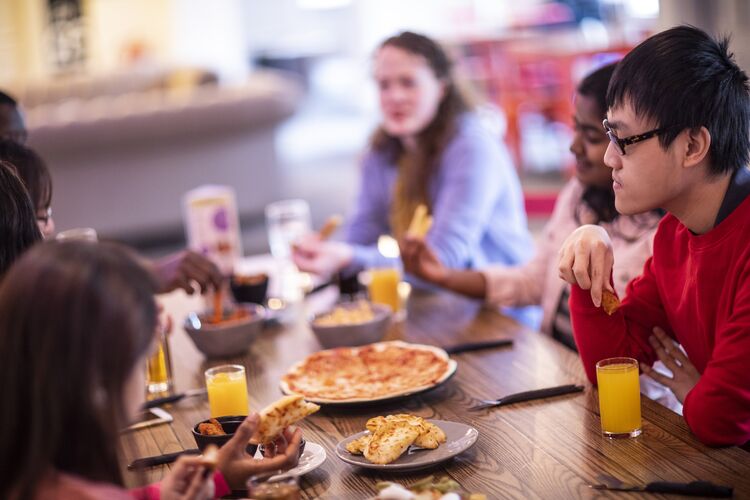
(66, 36)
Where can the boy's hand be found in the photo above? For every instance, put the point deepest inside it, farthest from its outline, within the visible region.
(684, 374)
(419, 260)
(586, 259)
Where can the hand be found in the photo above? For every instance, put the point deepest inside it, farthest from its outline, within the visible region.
(421, 261)
(237, 466)
(684, 374)
(181, 269)
(189, 479)
(586, 259)
(313, 255)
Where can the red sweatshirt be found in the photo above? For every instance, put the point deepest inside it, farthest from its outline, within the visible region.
(697, 288)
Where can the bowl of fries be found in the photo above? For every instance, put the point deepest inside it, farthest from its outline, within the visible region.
(225, 332)
(351, 324)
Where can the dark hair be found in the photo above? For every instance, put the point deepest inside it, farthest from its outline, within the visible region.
(32, 170)
(18, 227)
(75, 318)
(8, 100)
(601, 200)
(12, 124)
(433, 139)
(684, 79)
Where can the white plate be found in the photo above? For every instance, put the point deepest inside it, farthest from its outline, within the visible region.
(459, 438)
(313, 456)
(449, 372)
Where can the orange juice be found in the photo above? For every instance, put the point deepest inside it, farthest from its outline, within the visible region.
(383, 287)
(227, 390)
(619, 397)
(159, 369)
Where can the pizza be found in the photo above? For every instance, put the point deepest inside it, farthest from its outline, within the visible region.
(372, 372)
(280, 414)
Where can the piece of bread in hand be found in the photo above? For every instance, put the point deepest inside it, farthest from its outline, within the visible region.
(210, 457)
(275, 417)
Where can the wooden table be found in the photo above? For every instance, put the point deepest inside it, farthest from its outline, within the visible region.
(543, 449)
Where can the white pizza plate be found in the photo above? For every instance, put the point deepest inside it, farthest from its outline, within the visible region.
(449, 372)
(312, 458)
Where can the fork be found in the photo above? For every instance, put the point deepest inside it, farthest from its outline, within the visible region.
(527, 396)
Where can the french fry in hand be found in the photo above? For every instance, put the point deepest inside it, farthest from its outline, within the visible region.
(610, 302)
(218, 306)
(426, 225)
(331, 225)
(420, 222)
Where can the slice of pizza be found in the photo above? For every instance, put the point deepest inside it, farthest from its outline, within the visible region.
(390, 441)
(610, 302)
(281, 414)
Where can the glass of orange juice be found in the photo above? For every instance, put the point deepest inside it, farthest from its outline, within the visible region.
(227, 390)
(619, 397)
(159, 368)
(383, 287)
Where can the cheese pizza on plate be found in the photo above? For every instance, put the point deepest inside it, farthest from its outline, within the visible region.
(368, 373)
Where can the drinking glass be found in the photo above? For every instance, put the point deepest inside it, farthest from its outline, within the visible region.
(159, 379)
(287, 221)
(78, 233)
(227, 390)
(619, 397)
(278, 487)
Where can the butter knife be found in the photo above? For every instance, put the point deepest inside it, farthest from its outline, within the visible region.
(693, 489)
(476, 346)
(528, 396)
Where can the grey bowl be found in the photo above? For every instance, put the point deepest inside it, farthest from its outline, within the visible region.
(356, 334)
(216, 341)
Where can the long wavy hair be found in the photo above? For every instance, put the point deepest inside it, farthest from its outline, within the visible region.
(75, 319)
(432, 140)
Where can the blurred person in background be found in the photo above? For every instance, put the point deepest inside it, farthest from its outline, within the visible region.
(178, 270)
(77, 323)
(18, 229)
(430, 149)
(12, 125)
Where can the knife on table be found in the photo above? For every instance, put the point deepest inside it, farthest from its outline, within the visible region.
(167, 458)
(693, 489)
(173, 398)
(528, 396)
(476, 346)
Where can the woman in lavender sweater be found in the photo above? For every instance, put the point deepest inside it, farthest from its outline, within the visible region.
(430, 149)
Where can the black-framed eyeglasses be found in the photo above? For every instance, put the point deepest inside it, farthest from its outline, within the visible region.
(44, 219)
(627, 141)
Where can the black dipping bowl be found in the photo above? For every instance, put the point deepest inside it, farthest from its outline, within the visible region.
(230, 424)
(249, 288)
(301, 448)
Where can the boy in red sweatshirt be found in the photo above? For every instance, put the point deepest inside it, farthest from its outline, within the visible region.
(679, 130)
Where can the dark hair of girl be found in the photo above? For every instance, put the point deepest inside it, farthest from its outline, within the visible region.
(433, 139)
(75, 319)
(18, 227)
(32, 170)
